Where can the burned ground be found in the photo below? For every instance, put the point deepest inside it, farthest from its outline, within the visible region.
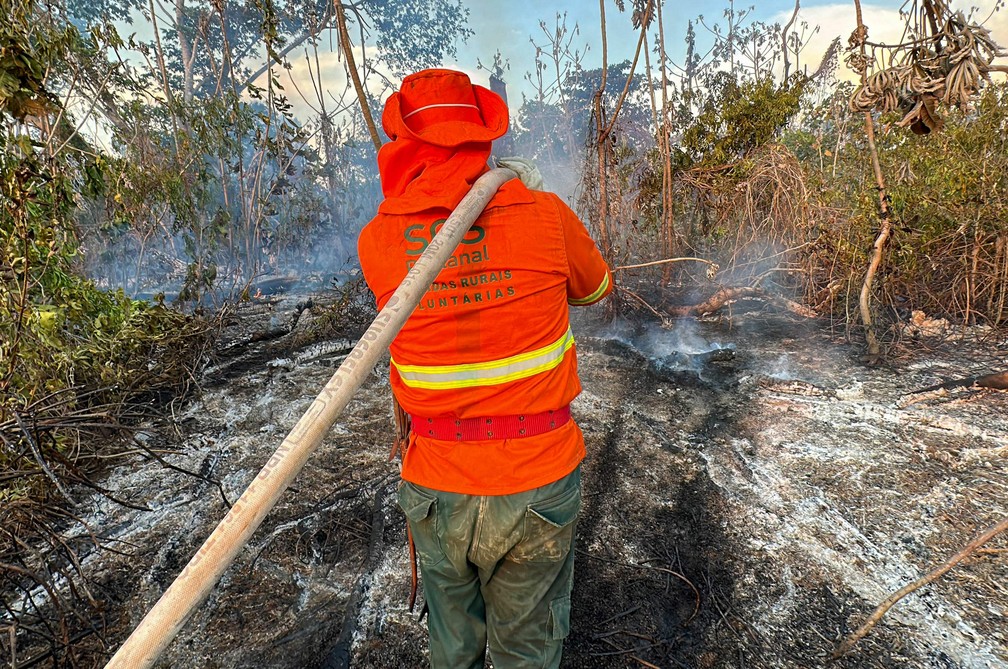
(750, 493)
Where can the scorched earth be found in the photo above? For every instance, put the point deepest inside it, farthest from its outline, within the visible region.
(751, 492)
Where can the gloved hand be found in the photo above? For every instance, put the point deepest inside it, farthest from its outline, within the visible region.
(526, 170)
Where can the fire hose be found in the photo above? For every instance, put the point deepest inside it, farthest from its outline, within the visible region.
(193, 585)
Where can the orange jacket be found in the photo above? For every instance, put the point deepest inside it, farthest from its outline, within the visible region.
(491, 337)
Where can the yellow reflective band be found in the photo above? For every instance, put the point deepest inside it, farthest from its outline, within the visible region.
(491, 373)
(594, 296)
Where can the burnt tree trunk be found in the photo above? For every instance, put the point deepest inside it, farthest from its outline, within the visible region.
(885, 227)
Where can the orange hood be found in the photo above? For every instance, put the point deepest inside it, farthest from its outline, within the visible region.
(441, 127)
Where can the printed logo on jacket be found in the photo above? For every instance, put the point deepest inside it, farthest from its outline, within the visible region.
(465, 290)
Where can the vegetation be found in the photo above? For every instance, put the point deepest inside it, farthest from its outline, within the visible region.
(749, 172)
(77, 363)
(947, 192)
(65, 345)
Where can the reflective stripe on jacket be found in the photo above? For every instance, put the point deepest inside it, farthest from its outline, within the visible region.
(489, 373)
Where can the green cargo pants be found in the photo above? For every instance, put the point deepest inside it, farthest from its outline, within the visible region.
(497, 571)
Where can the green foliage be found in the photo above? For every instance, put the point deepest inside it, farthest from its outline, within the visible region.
(734, 118)
(414, 34)
(725, 168)
(947, 194)
(22, 67)
(66, 347)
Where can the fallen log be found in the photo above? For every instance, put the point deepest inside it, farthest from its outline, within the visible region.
(274, 285)
(339, 656)
(998, 381)
(726, 295)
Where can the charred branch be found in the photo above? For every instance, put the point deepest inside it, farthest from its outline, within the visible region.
(725, 296)
(996, 381)
(892, 599)
(339, 656)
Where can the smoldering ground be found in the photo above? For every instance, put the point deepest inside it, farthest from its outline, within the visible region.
(742, 510)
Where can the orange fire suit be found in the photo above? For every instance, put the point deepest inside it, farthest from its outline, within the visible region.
(491, 336)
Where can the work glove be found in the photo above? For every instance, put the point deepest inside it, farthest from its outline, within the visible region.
(525, 169)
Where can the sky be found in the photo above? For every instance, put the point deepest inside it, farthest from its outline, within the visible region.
(508, 26)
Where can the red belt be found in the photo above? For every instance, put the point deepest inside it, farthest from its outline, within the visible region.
(491, 427)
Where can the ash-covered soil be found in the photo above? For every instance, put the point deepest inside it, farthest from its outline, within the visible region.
(752, 491)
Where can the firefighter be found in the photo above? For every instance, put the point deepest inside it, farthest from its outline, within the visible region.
(486, 369)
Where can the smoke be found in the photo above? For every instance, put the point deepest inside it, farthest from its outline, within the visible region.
(780, 368)
(303, 229)
(684, 338)
(683, 347)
